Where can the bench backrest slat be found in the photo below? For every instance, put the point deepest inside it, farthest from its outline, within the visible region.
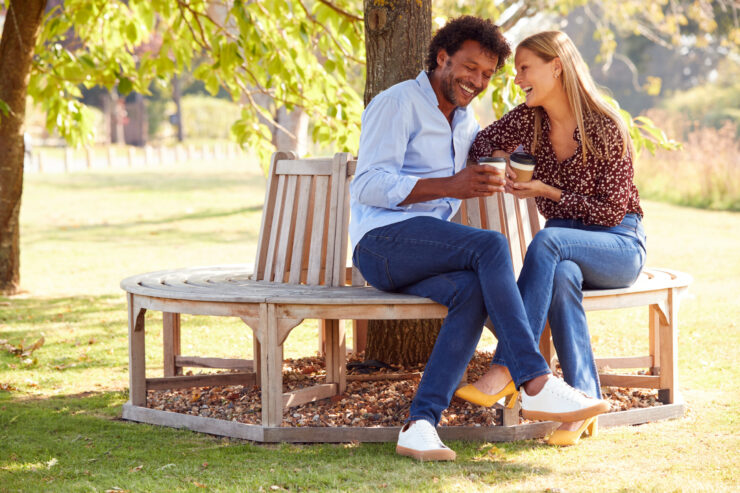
(298, 236)
(318, 230)
(286, 229)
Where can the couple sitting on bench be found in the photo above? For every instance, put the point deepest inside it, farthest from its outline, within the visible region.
(411, 177)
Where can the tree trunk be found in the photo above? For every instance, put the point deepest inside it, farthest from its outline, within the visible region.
(397, 36)
(296, 122)
(20, 32)
(177, 98)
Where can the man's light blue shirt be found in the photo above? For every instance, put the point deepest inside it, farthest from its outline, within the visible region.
(405, 137)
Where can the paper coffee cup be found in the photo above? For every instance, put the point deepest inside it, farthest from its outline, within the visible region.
(523, 165)
(497, 162)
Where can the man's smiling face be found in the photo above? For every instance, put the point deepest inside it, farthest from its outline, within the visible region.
(465, 74)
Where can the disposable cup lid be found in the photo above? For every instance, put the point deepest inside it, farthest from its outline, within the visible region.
(489, 159)
(523, 158)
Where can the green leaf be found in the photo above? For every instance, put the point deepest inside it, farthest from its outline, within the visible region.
(125, 86)
(132, 33)
(212, 84)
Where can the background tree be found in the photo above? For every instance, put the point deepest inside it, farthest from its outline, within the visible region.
(20, 33)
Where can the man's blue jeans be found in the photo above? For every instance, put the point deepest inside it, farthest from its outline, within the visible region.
(562, 259)
(469, 271)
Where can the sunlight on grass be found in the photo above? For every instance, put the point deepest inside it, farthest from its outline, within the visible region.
(84, 232)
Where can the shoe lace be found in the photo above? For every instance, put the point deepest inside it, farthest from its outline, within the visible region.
(429, 434)
(562, 389)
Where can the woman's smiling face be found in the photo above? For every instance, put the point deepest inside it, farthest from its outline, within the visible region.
(536, 77)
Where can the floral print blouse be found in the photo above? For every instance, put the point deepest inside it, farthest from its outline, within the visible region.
(599, 191)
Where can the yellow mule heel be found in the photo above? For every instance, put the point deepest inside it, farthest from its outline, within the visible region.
(471, 394)
(565, 437)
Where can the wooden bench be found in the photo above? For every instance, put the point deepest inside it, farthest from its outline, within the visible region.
(300, 273)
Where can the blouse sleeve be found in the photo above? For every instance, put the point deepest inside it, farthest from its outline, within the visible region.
(613, 175)
(504, 134)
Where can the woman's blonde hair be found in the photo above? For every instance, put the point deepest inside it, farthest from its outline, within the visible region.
(580, 89)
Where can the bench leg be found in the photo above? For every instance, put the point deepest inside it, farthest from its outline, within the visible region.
(510, 417)
(171, 343)
(654, 342)
(359, 335)
(271, 364)
(256, 359)
(254, 325)
(547, 349)
(336, 353)
(136, 352)
(668, 334)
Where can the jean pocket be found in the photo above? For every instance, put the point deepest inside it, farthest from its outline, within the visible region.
(374, 268)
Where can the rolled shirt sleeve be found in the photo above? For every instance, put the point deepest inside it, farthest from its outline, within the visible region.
(379, 181)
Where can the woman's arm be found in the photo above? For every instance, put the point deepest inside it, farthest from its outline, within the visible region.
(513, 129)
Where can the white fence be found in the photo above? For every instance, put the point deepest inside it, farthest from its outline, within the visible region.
(67, 159)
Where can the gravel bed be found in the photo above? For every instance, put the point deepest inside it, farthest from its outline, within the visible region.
(382, 402)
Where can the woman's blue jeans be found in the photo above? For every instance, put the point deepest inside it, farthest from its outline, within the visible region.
(469, 271)
(562, 259)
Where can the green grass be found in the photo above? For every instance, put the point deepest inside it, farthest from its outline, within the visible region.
(60, 426)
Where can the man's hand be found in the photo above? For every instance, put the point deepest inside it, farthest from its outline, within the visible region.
(476, 180)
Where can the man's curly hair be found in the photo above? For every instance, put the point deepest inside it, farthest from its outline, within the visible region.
(451, 37)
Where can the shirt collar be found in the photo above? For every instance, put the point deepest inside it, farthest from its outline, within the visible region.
(426, 88)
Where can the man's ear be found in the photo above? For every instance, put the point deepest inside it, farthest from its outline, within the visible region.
(442, 57)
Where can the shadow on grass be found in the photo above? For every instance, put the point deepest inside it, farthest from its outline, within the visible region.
(77, 442)
(103, 233)
(80, 333)
(34, 310)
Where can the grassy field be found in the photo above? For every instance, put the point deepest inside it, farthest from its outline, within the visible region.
(60, 404)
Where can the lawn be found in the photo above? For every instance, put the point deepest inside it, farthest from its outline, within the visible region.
(60, 405)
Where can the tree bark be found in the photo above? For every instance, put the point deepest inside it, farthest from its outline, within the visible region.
(397, 36)
(20, 32)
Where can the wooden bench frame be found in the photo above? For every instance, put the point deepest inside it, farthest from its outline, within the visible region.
(299, 273)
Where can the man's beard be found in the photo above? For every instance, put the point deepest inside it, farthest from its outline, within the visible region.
(448, 90)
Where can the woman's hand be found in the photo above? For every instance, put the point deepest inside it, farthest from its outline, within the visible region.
(533, 188)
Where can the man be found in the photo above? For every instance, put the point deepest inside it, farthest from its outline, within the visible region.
(409, 182)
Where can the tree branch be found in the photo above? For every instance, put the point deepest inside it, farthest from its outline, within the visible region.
(515, 17)
(349, 15)
(326, 29)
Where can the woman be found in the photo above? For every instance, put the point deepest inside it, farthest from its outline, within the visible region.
(583, 186)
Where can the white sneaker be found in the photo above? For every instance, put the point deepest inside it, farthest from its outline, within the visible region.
(558, 401)
(419, 440)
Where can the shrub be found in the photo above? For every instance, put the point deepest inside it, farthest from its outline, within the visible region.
(705, 173)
